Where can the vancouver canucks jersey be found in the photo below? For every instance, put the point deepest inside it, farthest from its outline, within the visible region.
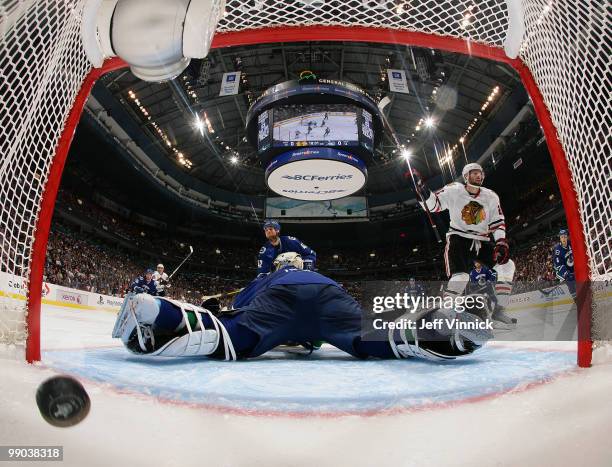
(269, 252)
(287, 275)
(563, 261)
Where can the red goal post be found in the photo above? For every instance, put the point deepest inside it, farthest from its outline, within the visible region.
(43, 102)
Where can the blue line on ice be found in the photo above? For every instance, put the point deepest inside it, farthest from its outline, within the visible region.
(328, 381)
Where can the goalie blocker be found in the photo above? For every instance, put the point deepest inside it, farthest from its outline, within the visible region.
(299, 306)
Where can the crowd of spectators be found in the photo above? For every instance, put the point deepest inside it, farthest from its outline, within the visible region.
(211, 255)
(82, 261)
(86, 261)
(73, 260)
(535, 264)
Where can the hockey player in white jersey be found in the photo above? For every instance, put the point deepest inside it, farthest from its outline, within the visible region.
(161, 278)
(477, 231)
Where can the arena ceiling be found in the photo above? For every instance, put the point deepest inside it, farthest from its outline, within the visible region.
(450, 89)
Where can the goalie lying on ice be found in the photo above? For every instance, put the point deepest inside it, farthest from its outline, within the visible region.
(294, 305)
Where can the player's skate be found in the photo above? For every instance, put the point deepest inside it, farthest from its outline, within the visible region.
(142, 327)
(501, 320)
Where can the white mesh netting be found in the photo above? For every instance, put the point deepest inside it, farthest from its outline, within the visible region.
(42, 66)
(568, 51)
(566, 47)
(486, 22)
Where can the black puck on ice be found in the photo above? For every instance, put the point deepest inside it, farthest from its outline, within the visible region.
(62, 401)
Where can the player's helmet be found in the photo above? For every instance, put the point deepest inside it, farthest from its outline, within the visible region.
(271, 223)
(149, 271)
(289, 258)
(160, 266)
(563, 232)
(468, 168)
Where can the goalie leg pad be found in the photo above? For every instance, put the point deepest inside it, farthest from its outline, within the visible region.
(177, 327)
(443, 343)
(195, 339)
(194, 344)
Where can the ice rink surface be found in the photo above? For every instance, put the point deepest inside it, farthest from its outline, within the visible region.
(509, 404)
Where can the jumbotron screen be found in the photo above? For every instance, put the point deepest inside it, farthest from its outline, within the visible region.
(315, 125)
(337, 125)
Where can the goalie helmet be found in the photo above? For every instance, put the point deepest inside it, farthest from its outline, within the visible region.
(468, 168)
(289, 258)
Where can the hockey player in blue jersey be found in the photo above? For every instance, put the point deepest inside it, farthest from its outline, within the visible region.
(414, 289)
(481, 274)
(144, 284)
(563, 262)
(278, 244)
(482, 282)
(262, 281)
(290, 304)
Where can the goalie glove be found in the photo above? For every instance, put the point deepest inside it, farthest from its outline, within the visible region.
(501, 252)
(422, 189)
(213, 305)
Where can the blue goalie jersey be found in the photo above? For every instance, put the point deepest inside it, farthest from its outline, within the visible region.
(287, 275)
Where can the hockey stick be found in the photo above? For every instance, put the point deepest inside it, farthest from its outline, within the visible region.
(387, 123)
(222, 295)
(183, 262)
(423, 203)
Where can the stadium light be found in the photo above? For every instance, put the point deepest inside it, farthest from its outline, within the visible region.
(406, 154)
(429, 122)
(199, 125)
(234, 160)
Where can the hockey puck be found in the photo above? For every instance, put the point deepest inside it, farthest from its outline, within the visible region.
(62, 401)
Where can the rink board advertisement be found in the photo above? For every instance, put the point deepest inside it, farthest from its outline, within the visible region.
(13, 286)
(348, 207)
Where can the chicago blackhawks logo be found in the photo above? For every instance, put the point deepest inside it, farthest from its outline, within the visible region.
(473, 213)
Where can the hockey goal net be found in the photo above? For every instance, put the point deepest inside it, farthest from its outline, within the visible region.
(564, 62)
